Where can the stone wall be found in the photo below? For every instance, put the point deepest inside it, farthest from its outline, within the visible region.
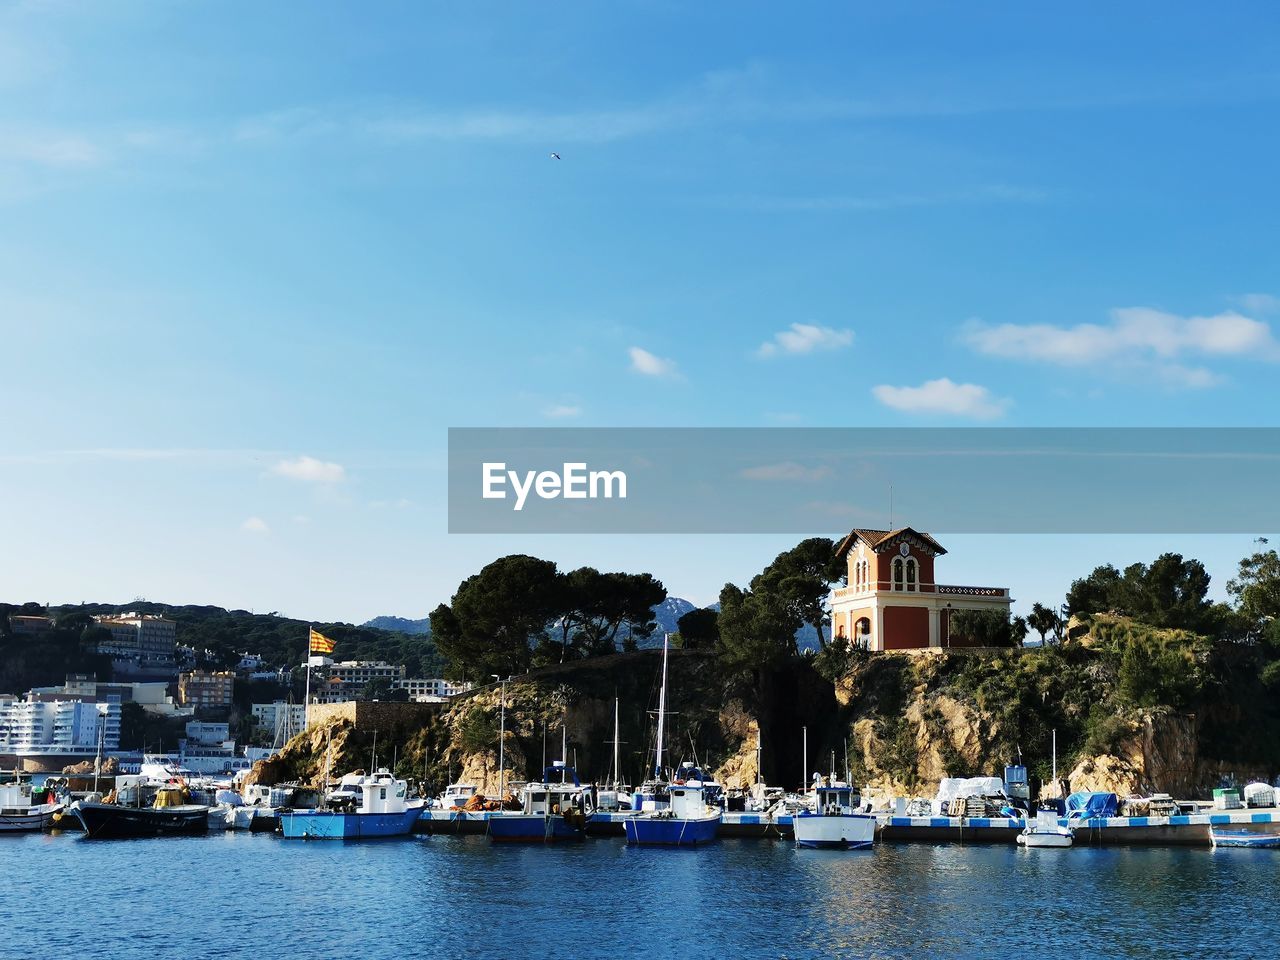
(369, 715)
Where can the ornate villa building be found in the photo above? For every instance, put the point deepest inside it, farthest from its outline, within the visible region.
(893, 602)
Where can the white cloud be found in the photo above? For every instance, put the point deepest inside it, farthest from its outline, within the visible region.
(255, 525)
(787, 470)
(943, 396)
(562, 411)
(1257, 302)
(651, 365)
(310, 470)
(805, 338)
(1136, 336)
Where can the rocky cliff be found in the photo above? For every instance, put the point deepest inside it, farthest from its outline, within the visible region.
(1177, 721)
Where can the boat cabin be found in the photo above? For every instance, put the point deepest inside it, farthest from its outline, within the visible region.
(558, 792)
(383, 793)
(836, 799)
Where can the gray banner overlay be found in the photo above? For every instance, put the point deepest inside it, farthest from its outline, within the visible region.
(804, 480)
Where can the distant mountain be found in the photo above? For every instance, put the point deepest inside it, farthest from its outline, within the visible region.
(668, 614)
(402, 624)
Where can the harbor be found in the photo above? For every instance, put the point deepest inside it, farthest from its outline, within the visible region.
(468, 896)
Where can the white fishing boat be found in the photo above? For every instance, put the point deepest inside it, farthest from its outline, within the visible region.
(1045, 831)
(836, 821)
(24, 808)
(455, 796)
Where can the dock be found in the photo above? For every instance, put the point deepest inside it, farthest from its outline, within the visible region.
(1190, 830)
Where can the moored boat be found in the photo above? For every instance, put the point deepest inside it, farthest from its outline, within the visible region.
(24, 808)
(1220, 837)
(555, 808)
(836, 821)
(1045, 831)
(168, 815)
(687, 822)
(384, 811)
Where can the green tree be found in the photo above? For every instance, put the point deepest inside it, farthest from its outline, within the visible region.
(1044, 620)
(988, 628)
(598, 612)
(757, 628)
(1170, 592)
(1096, 593)
(801, 578)
(700, 629)
(1256, 588)
(495, 617)
(378, 688)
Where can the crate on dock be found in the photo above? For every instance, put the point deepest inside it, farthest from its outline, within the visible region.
(1259, 795)
(1227, 798)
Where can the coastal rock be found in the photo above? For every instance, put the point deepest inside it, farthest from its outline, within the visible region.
(110, 767)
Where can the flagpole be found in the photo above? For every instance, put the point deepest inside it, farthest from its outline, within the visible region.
(306, 698)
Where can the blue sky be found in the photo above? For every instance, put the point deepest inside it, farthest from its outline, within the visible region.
(255, 259)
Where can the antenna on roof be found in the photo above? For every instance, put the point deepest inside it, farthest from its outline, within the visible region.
(891, 506)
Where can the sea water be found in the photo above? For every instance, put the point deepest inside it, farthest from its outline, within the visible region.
(255, 895)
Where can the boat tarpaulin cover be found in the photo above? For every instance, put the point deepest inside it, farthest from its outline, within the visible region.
(1087, 806)
(951, 788)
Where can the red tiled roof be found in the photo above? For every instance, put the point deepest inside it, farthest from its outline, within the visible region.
(873, 539)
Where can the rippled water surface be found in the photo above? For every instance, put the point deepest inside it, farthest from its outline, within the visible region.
(242, 895)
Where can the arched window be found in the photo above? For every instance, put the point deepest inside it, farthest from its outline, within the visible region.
(911, 573)
(897, 573)
(862, 633)
(862, 575)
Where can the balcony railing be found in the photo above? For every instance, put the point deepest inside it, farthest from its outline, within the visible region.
(972, 591)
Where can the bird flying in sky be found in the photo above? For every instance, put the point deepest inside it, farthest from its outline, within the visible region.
(555, 156)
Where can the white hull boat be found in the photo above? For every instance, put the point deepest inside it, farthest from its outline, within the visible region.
(835, 822)
(19, 814)
(1045, 831)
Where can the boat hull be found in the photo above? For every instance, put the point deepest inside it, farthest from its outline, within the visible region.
(29, 821)
(535, 828)
(329, 825)
(671, 831)
(844, 832)
(108, 821)
(1045, 839)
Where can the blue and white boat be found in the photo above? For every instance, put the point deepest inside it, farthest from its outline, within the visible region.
(1219, 837)
(384, 811)
(551, 809)
(836, 820)
(688, 822)
(688, 819)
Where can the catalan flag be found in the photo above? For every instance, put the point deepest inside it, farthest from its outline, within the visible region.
(320, 643)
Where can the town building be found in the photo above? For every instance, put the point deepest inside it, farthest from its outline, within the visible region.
(141, 645)
(432, 690)
(279, 716)
(24, 624)
(203, 688)
(893, 601)
(153, 696)
(57, 727)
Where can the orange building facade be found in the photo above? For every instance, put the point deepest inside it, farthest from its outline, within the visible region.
(893, 601)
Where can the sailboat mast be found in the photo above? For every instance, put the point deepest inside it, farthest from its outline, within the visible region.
(617, 772)
(662, 705)
(804, 774)
(1055, 759)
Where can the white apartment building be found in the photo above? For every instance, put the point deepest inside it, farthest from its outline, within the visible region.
(38, 727)
(280, 715)
(433, 689)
